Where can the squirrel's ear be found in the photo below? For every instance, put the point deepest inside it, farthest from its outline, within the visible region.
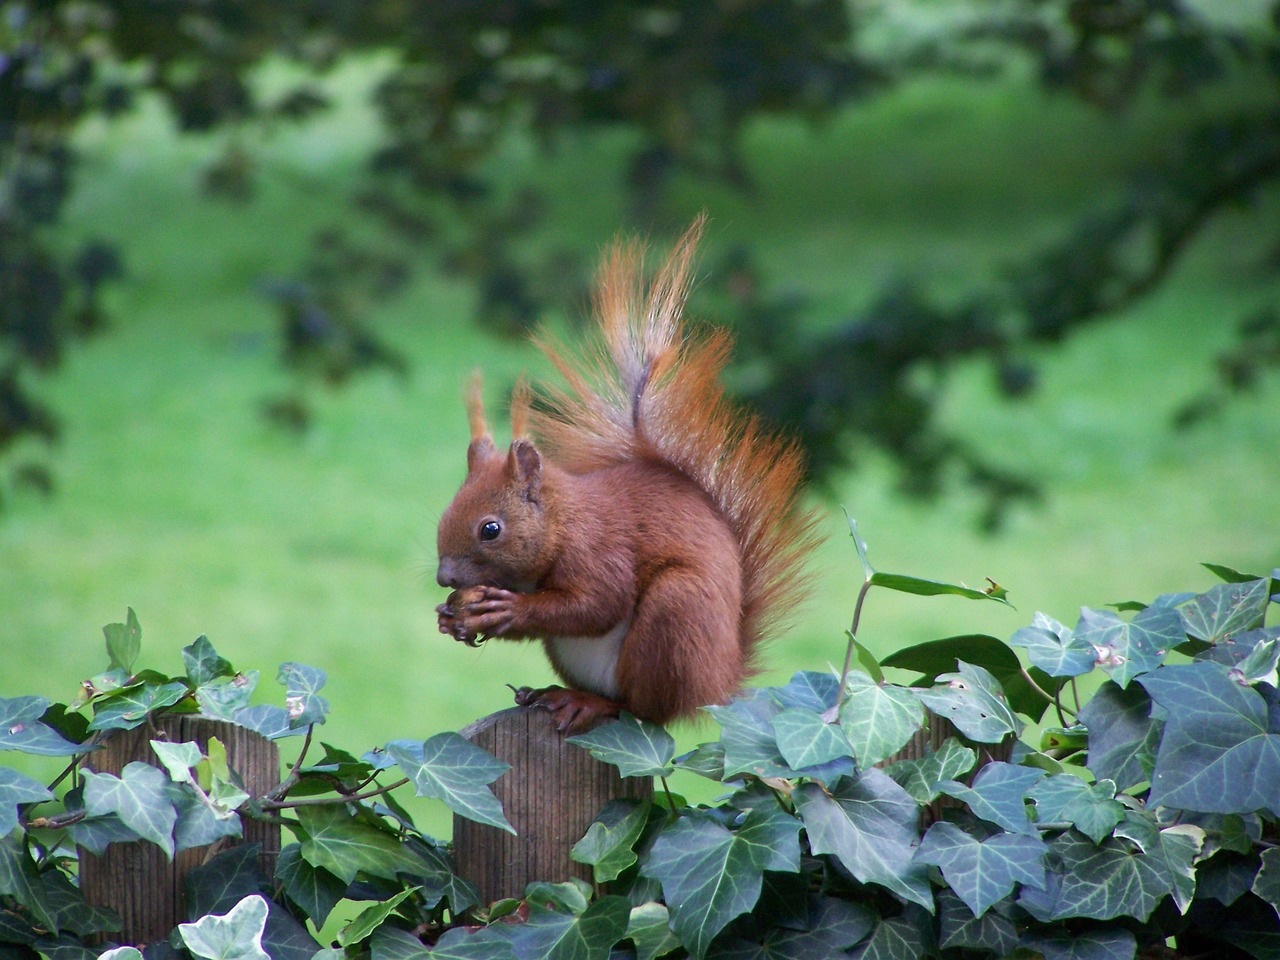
(479, 449)
(525, 463)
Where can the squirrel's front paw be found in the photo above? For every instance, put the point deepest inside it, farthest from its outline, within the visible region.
(447, 619)
(488, 611)
(572, 711)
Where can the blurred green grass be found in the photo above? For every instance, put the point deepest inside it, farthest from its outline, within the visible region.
(174, 497)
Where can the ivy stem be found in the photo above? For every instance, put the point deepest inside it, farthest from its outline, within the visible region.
(76, 761)
(1075, 694)
(57, 821)
(853, 636)
(290, 781)
(671, 804)
(267, 803)
(1056, 701)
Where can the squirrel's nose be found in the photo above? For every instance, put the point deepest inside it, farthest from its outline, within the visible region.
(446, 574)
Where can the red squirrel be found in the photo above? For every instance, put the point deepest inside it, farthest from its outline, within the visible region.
(649, 535)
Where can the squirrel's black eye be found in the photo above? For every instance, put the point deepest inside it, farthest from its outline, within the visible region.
(490, 529)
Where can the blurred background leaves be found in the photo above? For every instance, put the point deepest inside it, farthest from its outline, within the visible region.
(459, 81)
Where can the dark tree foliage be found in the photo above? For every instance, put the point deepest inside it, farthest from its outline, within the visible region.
(683, 78)
(862, 380)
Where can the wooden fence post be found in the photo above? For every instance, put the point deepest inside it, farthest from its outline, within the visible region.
(550, 795)
(136, 879)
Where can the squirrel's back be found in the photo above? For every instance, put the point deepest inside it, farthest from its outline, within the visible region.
(648, 390)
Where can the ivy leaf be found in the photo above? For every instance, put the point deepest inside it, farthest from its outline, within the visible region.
(124, 642)
(869, 824)
(860, 545)
(237, 935)
(129, 708)
(751, 745)
(1267, 883)
(222, 697)
(939, 656)
(1179, 847)
(877, 718)
(546, 934)
(1227, 877)
(392, 943)
(706, 760)
(636, 747)
(21, 729)
(982, 872)
(139, 797)
(302, 700)
(608, 843)
(1216, 754)
(934, 588)
(1082, 945)
(314, 890)
(20, 879)
(806, 740)
(16, 789)
(1259, 665)
(438, 879)
(178, 758)
(203, 663)
(121, 953)
(1125, 650)
(1226, 610)
(998, 795)
(345, 846)
(95, 834)
(590, 936)
(199, 823)
(893, 940)
(70, 912)
(649, 928)
(1099, 882)
(268, 720)
(710, 874)
(746, 731)
(1230, 574)
(1122, 734)
(570, 896)
(372, 917)
(920, 778)
(451, 768)
(218, 885)
(1054, 648)
(1090, 807)
(973, 701)
(958, 928)
(818, 926)
(809, 689)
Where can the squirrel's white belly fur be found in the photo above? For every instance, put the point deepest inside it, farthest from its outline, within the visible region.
(591, 663)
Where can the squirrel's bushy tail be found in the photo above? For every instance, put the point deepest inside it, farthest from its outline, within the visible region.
(646, 389)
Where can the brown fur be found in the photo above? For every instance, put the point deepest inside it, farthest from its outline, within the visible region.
(658, 505)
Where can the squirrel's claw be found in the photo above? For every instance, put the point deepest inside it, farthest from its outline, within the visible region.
(486, 610)
(572, 711)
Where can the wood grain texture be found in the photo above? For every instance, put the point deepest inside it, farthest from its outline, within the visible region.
(550, 795)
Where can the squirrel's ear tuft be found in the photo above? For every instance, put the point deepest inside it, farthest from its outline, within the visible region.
(525, 464)
(521, 401)
(477, 451)
(481, 445)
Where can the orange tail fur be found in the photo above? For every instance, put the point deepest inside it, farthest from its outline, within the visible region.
(646, 389)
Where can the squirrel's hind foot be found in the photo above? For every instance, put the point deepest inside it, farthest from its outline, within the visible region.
(572, 711)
